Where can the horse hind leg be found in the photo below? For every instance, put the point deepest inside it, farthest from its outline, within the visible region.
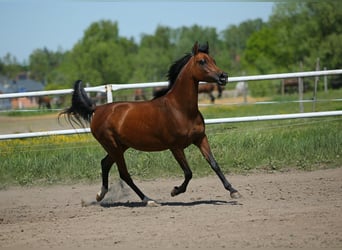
(181, 159)
(106, 164)
(124, 175)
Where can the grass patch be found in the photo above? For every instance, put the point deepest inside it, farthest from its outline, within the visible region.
(301, 144)
(304, 144)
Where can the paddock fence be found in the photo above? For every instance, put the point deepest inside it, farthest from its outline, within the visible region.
(109, 88)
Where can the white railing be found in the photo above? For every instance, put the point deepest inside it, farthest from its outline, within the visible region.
(113, 87)
(207, 121)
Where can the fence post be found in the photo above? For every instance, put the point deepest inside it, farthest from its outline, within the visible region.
(300, 90)
(325, 81)
(109, 93)
(314, 98)
(245, 92)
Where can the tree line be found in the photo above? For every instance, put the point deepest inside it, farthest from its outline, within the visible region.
(297, 31)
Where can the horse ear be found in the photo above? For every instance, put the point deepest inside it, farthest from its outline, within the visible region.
(207, 45)
(195, 48)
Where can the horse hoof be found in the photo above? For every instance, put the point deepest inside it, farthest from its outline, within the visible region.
(99, 197)
(101, 194)
(175, 191)
(235, 195)
(152, 203)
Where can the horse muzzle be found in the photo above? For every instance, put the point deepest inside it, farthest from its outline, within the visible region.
(222, 78)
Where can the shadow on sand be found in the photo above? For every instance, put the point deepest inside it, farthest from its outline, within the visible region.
(109, 204)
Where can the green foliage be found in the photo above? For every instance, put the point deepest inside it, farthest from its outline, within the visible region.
(297, 31)
(43, 63)
(10, 67)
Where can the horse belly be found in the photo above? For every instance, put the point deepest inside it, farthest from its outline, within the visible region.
(143, 137)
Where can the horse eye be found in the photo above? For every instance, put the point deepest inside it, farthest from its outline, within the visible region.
(202, 62)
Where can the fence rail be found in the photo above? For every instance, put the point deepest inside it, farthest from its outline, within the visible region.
(207, 121)
(113, 87)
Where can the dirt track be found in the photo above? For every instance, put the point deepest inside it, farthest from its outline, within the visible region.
(296, 209)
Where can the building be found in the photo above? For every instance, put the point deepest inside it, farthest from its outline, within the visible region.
(22, 83)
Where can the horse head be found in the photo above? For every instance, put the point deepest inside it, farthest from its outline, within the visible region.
(205, 68)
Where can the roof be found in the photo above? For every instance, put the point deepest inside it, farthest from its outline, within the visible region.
(26, 85)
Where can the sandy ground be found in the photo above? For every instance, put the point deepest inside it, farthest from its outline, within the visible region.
(278, 210)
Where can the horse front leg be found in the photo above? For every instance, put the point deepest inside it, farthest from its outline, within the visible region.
(180, 157)
(106, 164)
(204, 147)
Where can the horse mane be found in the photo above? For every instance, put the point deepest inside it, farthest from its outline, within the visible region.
(176, 68)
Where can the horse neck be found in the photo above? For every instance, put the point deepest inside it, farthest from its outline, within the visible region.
(185, 93)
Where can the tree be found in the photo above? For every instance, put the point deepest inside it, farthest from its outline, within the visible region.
(154, 56)
(101, 56)
(43, 62)
(10, 67)
(235, 41)
(297, 31)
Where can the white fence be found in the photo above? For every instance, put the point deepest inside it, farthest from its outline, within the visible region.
(113, 87)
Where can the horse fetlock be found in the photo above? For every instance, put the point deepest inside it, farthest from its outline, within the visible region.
(101, 194)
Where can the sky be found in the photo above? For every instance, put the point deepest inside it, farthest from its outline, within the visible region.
(26, 25)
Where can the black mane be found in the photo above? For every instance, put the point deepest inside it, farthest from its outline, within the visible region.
(176, 68)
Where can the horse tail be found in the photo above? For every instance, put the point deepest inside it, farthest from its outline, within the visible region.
(82, 107)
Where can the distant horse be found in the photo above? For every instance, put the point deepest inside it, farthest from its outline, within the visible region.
(209, 88)
(171, 121)
(291, 85)
(139, 94)
(44, 102)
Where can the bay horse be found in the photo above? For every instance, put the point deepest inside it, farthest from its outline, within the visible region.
(208, 88)
(44, 101)
(171, 121)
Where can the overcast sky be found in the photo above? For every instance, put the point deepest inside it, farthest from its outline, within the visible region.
(31, 24)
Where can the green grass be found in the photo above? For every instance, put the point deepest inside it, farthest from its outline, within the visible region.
(33, 112)
(239, 148)
(304, 144)
(285, 106)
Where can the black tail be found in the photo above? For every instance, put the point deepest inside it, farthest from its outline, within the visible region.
(81, 108)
